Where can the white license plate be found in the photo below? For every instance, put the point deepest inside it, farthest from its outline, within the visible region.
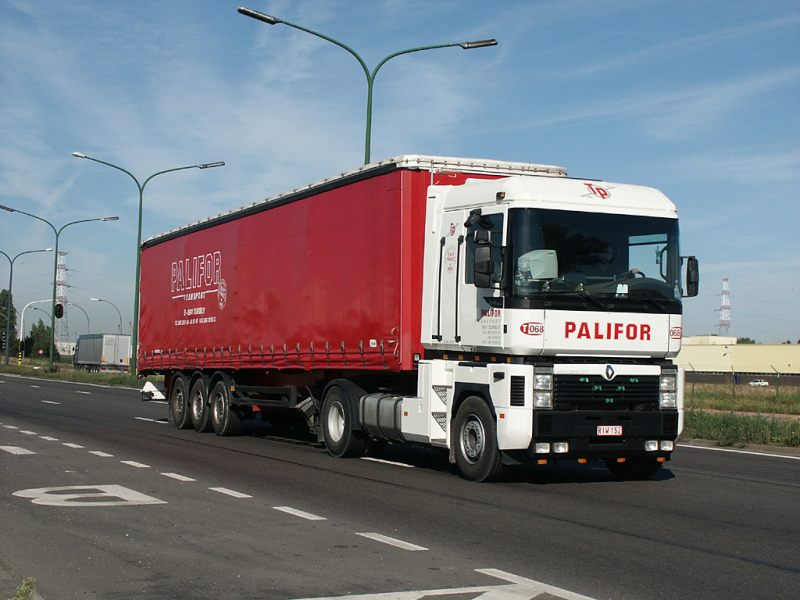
(609, 430)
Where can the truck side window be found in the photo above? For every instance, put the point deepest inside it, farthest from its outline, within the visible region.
(494, 224)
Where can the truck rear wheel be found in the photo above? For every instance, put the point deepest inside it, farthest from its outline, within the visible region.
(338, 419)
(475, 440)
(179, 414)
(638, 468)
(224, 419)
(198, 404)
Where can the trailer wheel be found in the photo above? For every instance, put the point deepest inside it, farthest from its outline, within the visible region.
(179, 414)
(640, 468)
(224, 419)
(337, 420)
(475, 441)
(198, 404)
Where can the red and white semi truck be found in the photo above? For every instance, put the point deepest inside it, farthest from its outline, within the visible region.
(502, 311)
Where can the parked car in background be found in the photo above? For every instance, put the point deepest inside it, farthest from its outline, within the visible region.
(759, 383)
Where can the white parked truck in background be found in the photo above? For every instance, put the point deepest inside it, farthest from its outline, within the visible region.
(502, 311)
(102, 352)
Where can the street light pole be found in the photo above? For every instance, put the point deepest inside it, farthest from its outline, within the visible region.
(57, 232)
(9, 304)
(115, 307)
(85, 314)
(370, 75)
(140, 187)
(22, 327)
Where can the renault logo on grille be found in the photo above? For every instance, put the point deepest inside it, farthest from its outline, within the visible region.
(609, 372)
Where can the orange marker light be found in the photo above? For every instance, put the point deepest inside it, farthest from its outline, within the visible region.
(541, 461)
(583, 461)
(620, 460)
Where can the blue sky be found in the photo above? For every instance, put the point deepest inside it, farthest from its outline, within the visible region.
(699, 99)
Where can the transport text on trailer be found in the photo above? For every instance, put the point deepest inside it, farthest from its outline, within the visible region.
(502, 311)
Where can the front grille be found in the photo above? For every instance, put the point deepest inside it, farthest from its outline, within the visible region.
(517, 390)
(591, 392)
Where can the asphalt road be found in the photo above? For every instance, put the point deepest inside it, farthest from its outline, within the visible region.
(142, 510)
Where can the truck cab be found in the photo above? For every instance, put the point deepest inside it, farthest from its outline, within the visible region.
(557, 303)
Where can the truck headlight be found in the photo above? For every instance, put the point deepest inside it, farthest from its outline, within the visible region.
(543, 390)
(668, 390)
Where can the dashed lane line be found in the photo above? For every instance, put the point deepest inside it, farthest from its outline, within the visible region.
(9, 427)
(227, 492)
(82, 392)
(133, 463)
(387, 462)
(50, 402)
(28, 432)
(392, 541)
(48, 438)
(299, 513)
(101, 454)
(178, 477)
(160, 422)
(71, 445)
(16, 450)
(36, 386)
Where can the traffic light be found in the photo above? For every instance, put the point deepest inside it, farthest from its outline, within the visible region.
(59, 312)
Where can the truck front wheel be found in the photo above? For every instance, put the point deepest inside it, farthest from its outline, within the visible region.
(178, 403)
(224, 419)
(198, 403)
(337, 420)
(475, 441)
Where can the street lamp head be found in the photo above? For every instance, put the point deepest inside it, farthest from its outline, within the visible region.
(478, 44)
(211, 165)
(110, 219)
(258, 16)
(79, 155)
(96, 299)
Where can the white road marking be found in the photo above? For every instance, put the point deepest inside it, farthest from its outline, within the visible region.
(87, 496)
(71, 445)
(160, 422)
(50, 402)
(82, 392)
(392, 541)
(47, 438)
(750, 452)
(178, 476)
(511, 588)
(36, 386)
(101, 454)
(299, 513)
(158, 402)
(133, 463)
(9, 427)
(16, 450)
(387, 462)
(228, 492)
(27, 432)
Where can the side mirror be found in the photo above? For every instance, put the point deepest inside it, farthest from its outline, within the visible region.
(484, 268)
(692, 277)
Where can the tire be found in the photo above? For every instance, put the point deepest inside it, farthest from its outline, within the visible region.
(224, 419)
(198, 406)
(475, 441)
(640, 468)
(337, 420)
(179, 414)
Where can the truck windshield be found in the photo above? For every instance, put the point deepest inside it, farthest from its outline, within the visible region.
(578, 260)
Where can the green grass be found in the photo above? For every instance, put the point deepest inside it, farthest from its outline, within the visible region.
(25, 590)
(743, 398)
(740, 430)
(65, 372)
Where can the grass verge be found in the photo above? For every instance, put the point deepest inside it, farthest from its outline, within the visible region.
(25, 590)
(743, 399)
(740, 430)
(68, 374)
